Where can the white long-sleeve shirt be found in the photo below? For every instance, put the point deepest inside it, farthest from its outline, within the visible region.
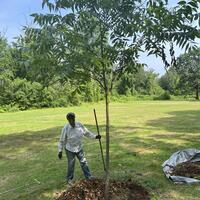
(71, 137)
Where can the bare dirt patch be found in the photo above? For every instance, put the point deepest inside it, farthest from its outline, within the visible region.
(94, 190)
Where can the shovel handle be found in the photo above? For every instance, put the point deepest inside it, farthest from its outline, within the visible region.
(104, 167)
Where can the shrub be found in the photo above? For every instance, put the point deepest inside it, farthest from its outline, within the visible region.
(164, 96)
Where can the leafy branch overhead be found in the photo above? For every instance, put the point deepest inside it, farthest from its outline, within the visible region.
(107, 36)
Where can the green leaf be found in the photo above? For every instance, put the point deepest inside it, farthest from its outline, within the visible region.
(182, 2)
(184, 43)
(196, 16)
(44, 2)
(187, 46)
(193, 4)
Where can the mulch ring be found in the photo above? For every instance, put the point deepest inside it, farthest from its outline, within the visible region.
(94, 190)
(188, 169)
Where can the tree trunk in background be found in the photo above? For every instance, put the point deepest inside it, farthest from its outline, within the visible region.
(107, 184)
(197, 92)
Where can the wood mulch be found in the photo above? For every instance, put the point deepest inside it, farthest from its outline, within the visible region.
(94, 190)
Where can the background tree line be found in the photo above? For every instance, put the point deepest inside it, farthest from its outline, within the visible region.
(59, 63)
(184, 78)
(33, 79)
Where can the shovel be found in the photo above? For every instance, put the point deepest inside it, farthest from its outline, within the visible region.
(99, 140)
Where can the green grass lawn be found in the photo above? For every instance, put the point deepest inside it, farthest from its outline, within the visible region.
(143, 135)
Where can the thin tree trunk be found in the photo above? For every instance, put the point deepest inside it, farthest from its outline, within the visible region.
(197, 92)
(106, 89)
(107, 145)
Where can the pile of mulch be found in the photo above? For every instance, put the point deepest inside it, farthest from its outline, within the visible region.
(188, 169)
(94, 190)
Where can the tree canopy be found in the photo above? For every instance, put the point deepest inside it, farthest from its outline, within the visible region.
(101, 39)
(188, 68)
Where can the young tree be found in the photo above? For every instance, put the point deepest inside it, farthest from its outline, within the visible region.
(102, 39)
(188, 68)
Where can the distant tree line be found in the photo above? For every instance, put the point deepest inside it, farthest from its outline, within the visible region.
(34, 79)
(183, 78)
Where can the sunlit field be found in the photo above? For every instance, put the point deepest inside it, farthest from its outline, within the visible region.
(143, 135)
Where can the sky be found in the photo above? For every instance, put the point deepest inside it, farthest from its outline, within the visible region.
(14, 14)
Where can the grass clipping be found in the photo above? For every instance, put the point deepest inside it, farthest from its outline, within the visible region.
(94, 190)
(188, 169)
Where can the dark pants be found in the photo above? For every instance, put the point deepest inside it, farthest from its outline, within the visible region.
(71, 164)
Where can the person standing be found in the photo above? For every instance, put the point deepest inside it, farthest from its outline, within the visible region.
(71, 140)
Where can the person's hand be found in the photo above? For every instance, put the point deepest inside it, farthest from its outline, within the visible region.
(98, 137)
(60, 155)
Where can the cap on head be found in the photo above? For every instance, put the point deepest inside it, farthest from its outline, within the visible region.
(70, 115)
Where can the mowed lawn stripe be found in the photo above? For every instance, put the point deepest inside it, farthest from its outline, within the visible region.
(143, 135)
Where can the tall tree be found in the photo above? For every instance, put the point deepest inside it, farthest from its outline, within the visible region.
(5, 57)
(6, 71)
(143, 82)
(188, 68)
(170, 81)
(31, 59)
(102, 39)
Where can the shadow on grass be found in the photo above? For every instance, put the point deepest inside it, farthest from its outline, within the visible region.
(31, 155)
(35, 139)
(179, 121)
(29, 140)
(131, 155)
